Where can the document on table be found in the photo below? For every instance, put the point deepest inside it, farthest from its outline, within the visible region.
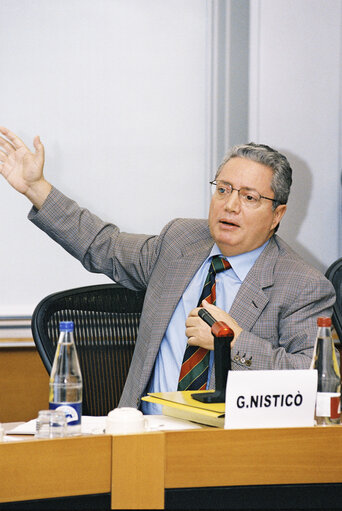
(90, 425)
(96, 425)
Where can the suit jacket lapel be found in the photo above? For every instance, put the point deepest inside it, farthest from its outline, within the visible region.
(251, 299)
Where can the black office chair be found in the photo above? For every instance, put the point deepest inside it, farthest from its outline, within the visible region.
(334, 274)
(106, 319)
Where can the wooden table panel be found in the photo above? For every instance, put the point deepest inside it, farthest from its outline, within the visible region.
(253, 457)
(39, 469)
(137, 468)
(138, 471)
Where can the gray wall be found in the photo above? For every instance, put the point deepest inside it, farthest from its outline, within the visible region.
(119, 93)
(295, 105)
(136, 102)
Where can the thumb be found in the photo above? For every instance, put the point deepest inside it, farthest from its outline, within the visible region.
(207, 305)
(39, 147)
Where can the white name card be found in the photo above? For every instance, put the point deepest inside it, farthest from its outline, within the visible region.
(270, 399)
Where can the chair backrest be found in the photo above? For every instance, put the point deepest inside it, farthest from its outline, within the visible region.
(106, 319)
(334, 274)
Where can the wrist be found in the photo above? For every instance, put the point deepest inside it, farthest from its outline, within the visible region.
(38, 192)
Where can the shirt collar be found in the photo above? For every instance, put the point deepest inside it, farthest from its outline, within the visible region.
(242, 263)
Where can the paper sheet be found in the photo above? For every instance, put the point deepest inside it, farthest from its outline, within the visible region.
(96, 425)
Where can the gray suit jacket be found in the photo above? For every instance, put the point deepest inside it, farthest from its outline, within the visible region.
(277, 304)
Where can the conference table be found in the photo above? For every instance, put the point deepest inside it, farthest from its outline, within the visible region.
(192, 469)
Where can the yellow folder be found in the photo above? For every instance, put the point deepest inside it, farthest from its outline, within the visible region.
(182, 405)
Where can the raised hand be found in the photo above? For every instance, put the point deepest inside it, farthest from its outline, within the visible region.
(22, 168)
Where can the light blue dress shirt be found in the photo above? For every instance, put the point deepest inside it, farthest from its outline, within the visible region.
(171, 352)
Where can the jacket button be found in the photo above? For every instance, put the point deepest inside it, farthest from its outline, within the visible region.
(237, 358)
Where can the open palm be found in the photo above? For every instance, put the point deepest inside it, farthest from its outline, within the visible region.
(19, 166)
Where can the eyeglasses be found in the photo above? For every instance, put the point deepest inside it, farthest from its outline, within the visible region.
(249, 198)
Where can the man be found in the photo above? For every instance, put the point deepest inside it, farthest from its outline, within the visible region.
(268, 295)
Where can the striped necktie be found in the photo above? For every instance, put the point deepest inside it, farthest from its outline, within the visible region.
(195, 365)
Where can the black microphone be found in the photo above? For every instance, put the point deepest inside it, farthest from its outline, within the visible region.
(206, 316)
(223, 336)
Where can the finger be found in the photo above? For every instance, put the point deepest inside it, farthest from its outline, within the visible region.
(192, 336)
(191, 331)
(193, 321)
(197, 330)
(40, 152)
(209, 306)
(6, 146)
(191, 318)
(206, 304)
(38, 144)
(3, 154)
(188, 332)
(194, 312)
(187, 327)
(212, 309)
(16, 141)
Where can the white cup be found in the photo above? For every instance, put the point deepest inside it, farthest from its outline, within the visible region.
(124, 421)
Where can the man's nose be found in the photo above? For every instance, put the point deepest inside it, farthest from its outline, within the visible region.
(232, 202)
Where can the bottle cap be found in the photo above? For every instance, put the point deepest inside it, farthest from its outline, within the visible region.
(66, 326)
(324, 321)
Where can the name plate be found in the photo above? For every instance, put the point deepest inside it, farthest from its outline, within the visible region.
(270, 399)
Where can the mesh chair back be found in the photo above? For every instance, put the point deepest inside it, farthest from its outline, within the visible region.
(106, 319)
(334, 274)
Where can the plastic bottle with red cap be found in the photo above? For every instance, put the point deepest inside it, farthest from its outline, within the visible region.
(328, 400)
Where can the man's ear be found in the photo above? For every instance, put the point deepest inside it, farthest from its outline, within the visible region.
(278, 214)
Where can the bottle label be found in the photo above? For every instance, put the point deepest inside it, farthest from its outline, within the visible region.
(73, 411)
(328, 404)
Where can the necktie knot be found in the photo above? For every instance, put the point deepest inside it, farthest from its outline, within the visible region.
(219, 264)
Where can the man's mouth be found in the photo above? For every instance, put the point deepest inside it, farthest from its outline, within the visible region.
(229, 223)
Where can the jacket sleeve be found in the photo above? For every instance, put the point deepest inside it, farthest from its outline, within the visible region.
(100, 246)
